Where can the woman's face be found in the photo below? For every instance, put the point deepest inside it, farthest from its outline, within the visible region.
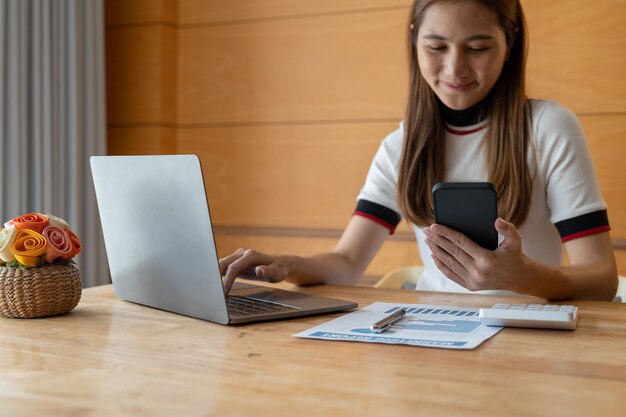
(460, 51)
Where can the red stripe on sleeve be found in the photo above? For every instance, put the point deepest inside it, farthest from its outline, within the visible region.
(588, 232)
(391, 228)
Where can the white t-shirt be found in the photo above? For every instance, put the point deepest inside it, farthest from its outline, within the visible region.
(566, 200)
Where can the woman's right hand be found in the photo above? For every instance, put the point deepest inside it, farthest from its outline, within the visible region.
(250, 264)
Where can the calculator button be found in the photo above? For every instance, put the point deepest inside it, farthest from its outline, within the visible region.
(501, 306)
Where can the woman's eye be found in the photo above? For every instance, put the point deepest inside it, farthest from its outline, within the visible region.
(478, 49)
(436, 48)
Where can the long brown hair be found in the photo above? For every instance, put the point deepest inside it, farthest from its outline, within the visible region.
(508, 133)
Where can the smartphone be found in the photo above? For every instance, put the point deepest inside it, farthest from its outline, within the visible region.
(470, 208)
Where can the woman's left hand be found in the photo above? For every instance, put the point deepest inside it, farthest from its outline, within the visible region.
(474, 267)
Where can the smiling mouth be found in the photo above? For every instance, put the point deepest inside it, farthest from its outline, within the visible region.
(458, 86)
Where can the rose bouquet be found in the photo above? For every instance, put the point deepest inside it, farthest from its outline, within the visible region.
(35, 240)
(38, 277)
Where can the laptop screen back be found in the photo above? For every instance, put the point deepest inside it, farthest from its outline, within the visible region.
(157, 232)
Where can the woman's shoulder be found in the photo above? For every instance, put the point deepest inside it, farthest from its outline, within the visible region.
(392, 143)
(555, 128)
(550, 115)
(396, 136)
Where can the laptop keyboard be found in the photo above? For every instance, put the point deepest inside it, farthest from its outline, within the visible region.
(240, 306)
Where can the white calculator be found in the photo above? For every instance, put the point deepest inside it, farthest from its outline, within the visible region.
(545, 316)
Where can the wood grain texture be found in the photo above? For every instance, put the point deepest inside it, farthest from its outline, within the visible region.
(141, 75)
(129, 12)
(110, 357)
(286, 101)
(141, 141)
(311, 68)
(578, 53)
(305, 176)
(249, 169)
(219, 11)
(331, 68)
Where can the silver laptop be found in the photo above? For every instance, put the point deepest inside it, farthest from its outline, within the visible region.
(161, 249)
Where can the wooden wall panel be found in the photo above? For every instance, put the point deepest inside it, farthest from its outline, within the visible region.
(330, 68)
(302, 176)
(132, 12)
(608, 148)
(141, 75)
(213, 11)
(286, 102)
(141, 140)
(394, 253)
(578, 53)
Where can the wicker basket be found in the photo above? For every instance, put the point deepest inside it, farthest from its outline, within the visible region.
(39, 292)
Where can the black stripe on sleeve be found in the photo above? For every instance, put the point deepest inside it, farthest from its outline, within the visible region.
(381, 214)
(584, 225)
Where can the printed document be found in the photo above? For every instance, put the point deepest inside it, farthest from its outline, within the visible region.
(423, 325)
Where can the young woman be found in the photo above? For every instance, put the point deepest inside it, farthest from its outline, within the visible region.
(468, 120)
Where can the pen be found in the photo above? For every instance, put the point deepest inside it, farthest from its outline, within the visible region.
(382, 325)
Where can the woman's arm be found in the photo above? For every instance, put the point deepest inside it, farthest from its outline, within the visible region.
(592, 273)
(360, 241)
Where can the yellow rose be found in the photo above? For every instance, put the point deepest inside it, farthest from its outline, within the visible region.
(28, 247)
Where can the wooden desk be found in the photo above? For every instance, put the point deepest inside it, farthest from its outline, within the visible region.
(112, 358)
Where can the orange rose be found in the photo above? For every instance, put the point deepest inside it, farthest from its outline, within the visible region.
(28, 247)
(76, 246)
(59, 244)
(32, 221)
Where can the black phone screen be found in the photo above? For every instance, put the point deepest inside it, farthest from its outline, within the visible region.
(470, 208)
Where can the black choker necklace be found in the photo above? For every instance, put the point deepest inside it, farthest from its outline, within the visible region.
(466, 117)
